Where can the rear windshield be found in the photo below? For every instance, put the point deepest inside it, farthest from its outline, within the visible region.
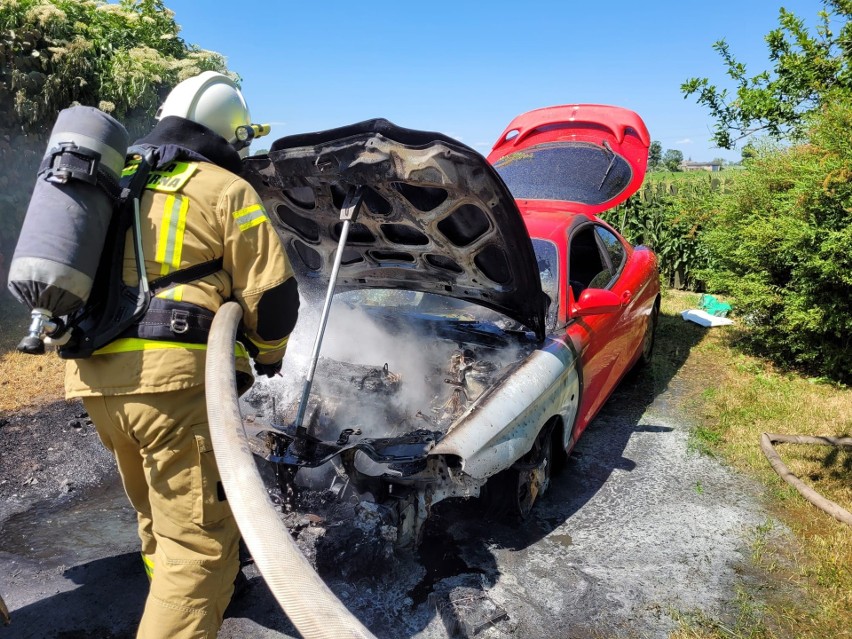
(568, 171)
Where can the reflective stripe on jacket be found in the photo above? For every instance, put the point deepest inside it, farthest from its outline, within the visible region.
(194, 212)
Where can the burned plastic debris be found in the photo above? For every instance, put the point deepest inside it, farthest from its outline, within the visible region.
(465, 610)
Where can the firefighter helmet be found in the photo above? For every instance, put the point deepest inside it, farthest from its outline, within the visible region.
(213, 100)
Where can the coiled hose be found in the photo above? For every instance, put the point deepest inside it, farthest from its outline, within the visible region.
(766, 444)
(312, 607)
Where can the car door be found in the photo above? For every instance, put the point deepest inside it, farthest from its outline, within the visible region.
(596, 260)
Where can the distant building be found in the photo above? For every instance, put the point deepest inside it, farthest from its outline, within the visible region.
(689, 165)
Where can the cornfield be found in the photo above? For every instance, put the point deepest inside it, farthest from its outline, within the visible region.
(668, 214)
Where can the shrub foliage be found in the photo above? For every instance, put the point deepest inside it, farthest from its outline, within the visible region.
(782, 247)
(122, 58)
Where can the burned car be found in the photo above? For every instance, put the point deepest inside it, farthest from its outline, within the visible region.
(476, 313)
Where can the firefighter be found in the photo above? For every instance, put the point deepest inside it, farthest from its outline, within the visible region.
(145, 390)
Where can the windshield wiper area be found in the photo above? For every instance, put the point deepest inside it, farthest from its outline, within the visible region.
(611, 163)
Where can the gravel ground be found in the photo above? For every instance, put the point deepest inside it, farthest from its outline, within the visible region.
(635, 530)
(49, 455)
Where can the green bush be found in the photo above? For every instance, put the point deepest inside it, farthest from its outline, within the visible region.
(122, 58)
(781, 247)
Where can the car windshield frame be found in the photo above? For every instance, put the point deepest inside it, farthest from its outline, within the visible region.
(421, 303)
(547, 260)
(456, 309)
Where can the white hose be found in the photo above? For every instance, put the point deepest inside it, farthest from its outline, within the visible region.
(312, 607)
(766, 444)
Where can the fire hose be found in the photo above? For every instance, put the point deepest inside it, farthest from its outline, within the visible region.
(311, 606)
(4, 612)
(766, 444)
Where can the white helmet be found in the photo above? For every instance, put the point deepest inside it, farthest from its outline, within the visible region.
(213, 100)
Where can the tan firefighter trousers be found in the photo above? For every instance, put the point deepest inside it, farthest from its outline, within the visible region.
(161, 443)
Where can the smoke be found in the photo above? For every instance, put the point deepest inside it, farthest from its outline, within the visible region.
(352, 336)
(354, 340)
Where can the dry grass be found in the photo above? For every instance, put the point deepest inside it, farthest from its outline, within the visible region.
(30, 380)
(737, 399)
(25, 380)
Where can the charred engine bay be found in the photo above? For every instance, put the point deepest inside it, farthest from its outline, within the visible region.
(388, 420)
(390, 370)
(357, 402)
(384, 393)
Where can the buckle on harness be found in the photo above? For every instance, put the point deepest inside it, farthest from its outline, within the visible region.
(179, 323)
(69, 161)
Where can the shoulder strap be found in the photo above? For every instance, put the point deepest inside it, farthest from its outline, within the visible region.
(186, 275)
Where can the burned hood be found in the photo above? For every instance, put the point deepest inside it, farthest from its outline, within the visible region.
(434, 216)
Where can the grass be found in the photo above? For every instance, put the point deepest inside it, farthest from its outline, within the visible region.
(25, 380)
(802, 589)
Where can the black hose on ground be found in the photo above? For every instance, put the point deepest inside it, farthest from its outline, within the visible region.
(312, 607)
(766, 444)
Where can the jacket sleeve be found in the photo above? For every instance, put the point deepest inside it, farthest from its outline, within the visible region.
(261, 275)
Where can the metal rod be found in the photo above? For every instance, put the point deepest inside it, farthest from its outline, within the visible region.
(140, 256)
(348, 213)
(149, 159)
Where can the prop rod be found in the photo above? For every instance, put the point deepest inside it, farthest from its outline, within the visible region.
(348, 213)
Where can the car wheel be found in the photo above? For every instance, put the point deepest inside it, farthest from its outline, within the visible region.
(648, 339)
(513, 492)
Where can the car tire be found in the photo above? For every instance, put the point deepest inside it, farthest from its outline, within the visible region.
(512, 493)
(648, 339)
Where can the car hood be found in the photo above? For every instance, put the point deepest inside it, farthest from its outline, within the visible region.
(435, 216)
(589, 156)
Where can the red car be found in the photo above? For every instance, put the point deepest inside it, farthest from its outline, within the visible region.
(481, 313)
(564, 165)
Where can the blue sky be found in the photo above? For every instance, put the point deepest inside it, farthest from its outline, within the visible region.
(467, 68)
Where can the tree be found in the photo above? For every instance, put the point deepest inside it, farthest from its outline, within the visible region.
(749, 152)
(807, 69)
(672, 159)
(120, 57)
(719, 161)
(655, 155)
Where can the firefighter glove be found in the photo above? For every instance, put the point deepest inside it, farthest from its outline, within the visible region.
(270, 370)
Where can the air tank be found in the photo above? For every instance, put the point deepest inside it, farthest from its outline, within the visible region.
(59, 248)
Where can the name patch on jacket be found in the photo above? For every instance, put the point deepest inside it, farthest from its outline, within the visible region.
(171, 177)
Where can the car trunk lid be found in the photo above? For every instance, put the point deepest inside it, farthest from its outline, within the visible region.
(591, 157)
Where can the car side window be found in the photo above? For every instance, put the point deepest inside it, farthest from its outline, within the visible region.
(613, 247)
(587, 267)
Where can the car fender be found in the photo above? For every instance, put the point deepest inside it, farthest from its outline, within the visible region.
(502, 425)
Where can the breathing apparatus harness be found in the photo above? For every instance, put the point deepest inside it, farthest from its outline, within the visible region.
(69, 260)
(118, 310)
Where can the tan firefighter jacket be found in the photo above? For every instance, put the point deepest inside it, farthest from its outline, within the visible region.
(194, 212)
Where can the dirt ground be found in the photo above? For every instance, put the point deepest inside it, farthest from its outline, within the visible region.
(635, 532)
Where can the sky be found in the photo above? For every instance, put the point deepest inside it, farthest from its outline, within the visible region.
(466, 68)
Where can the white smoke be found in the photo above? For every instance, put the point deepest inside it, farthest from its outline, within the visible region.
(355, 336)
